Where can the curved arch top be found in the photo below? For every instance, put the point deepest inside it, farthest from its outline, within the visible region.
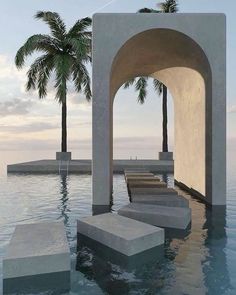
(139, 56)
(187, 52)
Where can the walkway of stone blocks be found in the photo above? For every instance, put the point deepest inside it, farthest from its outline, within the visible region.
(151, 201)
(139, 226)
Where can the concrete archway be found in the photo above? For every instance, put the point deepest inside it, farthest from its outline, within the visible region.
(187, 53)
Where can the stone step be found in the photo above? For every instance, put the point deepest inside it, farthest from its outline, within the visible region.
(166, 200)
(144, 174)
(140, 178)
(136, 170)
(122, 234)
(152, 191)
(37, 249)
(162, 216)
(146, 184)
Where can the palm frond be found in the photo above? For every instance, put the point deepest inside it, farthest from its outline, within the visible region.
(81, 79)
(80, 26)
(129, 83)
(56, 24)
(63, 65)
(141, 87)
(39, 73)
(169, 6)
(81, 48)
(158, 86)
(36, 42)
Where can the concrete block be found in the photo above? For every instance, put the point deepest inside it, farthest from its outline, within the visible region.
(143, 174)
(136, 170)
(37, 249)
(119, 233)
(63, 156)
(104, 254)
(147, 184)
(170, 217)
(140, 178)
(166, 200)
(168, 156)
(152, 191)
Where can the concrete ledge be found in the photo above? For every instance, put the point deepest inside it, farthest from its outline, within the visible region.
(139, 174)
(166, 200)
(141, 178)
(146, 184)
(119, 233)
(84, 166)
(36, 249)
(152, 191)
(170, 217)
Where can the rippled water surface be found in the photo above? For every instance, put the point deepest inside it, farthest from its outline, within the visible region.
(203, 261)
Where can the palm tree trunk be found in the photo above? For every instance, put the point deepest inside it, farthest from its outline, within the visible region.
(164, 123)
(63, 127)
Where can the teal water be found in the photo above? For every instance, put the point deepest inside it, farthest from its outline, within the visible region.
(201, 262)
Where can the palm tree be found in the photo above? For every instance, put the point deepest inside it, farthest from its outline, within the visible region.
(169, 6)
(64, 55)
(141, 84)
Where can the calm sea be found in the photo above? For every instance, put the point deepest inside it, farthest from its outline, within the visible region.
(203, 261)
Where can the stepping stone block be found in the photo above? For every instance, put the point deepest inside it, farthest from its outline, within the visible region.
(169, 217)
(119, 233)
(37, 249)
(166, 200)
(140, 178)
(152, 191)
(136, 170)
(147, 184)
(139, 174)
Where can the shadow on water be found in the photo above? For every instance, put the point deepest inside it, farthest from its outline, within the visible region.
(214, 265)
(116, 273)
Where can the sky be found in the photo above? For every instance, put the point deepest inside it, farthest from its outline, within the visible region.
(31, 127)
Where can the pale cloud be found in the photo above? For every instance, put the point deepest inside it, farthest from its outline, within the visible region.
(9, 71)
(15, 107)
(36, 127)
(28, 128)
(232, 109)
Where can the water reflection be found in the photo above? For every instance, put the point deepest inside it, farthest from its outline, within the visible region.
(116, 273)
(214, 265)
(64, 198)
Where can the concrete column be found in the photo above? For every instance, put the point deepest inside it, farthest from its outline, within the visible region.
(102, 141)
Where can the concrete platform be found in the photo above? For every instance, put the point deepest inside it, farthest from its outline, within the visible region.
(119, 233)
(152, 191)
(162, 216)
(146, 184)
(166, 200)
(84, 166)
(37, 249)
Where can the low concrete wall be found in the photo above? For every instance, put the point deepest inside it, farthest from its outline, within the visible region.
(84, 166)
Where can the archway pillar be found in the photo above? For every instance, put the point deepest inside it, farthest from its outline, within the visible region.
(102, 139)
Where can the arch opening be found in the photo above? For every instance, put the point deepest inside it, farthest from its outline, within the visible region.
(178, 62)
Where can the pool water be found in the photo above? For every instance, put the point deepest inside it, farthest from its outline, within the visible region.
(203, 261)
